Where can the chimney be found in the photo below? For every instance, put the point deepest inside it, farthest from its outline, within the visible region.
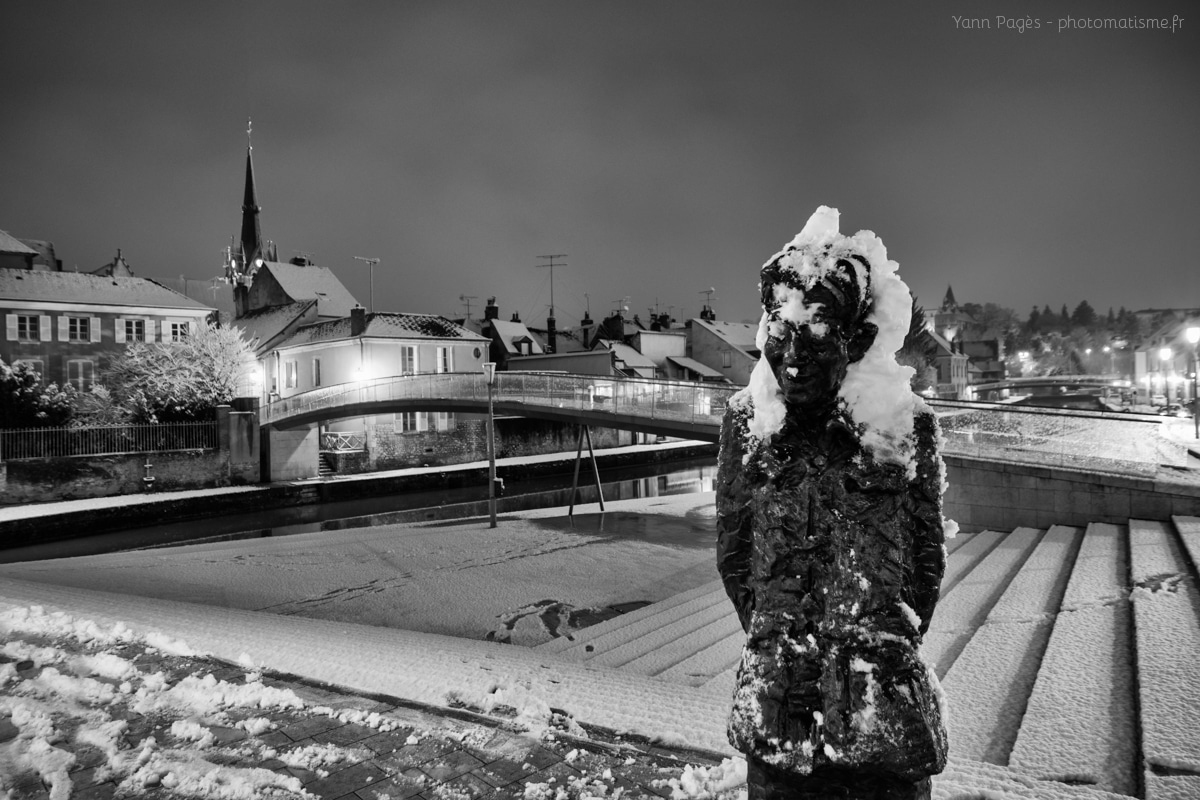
(358, 320)
(585, 328)
(550, 331)
(491, 310)
(516, 317)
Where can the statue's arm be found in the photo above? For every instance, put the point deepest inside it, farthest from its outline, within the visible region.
(929, 557)
(734, 516)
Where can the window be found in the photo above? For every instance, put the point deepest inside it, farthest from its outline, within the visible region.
(441, 421)
(81, 373)
(289, 374)
(179, 331)
(408, 360)
(316, 372)
(79, 329)
(444, 361)
(135, 330)
(412, 422)
(726, 358)
(27, 328)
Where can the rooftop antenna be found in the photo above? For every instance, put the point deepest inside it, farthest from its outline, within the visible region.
(467, 298)
(708, 293)
(370, 262)
(552, 265)
(588, 302)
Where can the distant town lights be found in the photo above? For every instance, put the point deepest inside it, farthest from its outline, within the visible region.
(1192, 334)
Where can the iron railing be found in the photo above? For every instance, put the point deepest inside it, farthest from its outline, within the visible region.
(701, 404)
(102, 440)
(1096, 441)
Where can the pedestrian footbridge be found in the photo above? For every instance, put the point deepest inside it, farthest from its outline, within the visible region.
(665, 408)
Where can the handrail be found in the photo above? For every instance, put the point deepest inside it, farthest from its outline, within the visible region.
(1075, 439)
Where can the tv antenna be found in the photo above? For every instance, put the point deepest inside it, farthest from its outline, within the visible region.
(708, 294)
(467, 298)
(552, 265)
(370, 262)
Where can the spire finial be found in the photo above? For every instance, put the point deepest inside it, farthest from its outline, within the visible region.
(249, 128)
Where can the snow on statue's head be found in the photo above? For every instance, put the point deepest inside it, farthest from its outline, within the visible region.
(834, 314)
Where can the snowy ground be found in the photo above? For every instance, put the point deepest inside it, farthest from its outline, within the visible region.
(401, 611)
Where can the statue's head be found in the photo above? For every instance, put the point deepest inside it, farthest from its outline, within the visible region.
(816, 299)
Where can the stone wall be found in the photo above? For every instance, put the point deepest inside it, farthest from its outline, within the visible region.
(991, 495)
(234, 463)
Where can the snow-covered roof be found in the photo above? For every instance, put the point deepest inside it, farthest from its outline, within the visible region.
(738, 334)
(11, 244)
(510, 333)
(311, 282)
(78, 287)
(695, 366)
(263, 326)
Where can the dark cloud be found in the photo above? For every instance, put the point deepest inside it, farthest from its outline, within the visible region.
(667, 147)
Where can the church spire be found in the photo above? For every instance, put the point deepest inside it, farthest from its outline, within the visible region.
(948, 302)
(252, 243)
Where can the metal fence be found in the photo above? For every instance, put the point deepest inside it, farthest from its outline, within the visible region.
(106, 440)
(700, 404)
(1083, 440)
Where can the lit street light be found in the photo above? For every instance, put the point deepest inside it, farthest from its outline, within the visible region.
(489, 375)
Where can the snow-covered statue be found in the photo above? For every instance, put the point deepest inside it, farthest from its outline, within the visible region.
(830, 532)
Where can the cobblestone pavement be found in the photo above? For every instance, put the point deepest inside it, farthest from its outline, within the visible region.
(366, 748)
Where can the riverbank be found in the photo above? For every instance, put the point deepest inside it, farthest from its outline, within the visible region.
(47, 522)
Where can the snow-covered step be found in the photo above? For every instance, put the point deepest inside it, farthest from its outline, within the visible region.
(666, 652)
(632, 642)
(579, 638)
(1189, 532)
(964, 607)
(966, 556)
(989, 683)
(1168, 667)
(704, 665)
(1079, 723)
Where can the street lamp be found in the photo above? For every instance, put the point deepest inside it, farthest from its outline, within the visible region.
(1164, 355)
(489, 375)
(1193, 336)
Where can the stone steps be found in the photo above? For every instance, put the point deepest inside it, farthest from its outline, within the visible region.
(1051, 667)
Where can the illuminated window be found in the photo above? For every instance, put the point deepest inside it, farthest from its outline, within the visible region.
(445, 361)
(408, 360)
(289, 374)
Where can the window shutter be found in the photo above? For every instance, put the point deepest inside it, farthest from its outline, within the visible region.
(151, 330)
(44, 328)
(10, 321)
(64, 333)
(94, 328)
(193, 326)
(422, 421)
(119, 330)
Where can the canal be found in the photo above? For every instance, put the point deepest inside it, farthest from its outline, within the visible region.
(651, 480)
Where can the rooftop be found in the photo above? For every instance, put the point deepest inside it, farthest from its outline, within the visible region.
(78, 287)
(384, 325)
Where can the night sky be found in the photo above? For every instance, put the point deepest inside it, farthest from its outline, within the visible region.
(665, 147)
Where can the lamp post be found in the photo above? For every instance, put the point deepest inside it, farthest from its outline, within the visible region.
(1193, 336)
(489, 375)
(1164, 355)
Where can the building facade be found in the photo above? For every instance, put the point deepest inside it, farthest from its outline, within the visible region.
(69, 325)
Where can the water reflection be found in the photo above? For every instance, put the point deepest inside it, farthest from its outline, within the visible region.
(629, 483)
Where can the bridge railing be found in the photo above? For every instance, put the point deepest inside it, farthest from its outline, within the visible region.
(1084, 440)
(700, 404)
